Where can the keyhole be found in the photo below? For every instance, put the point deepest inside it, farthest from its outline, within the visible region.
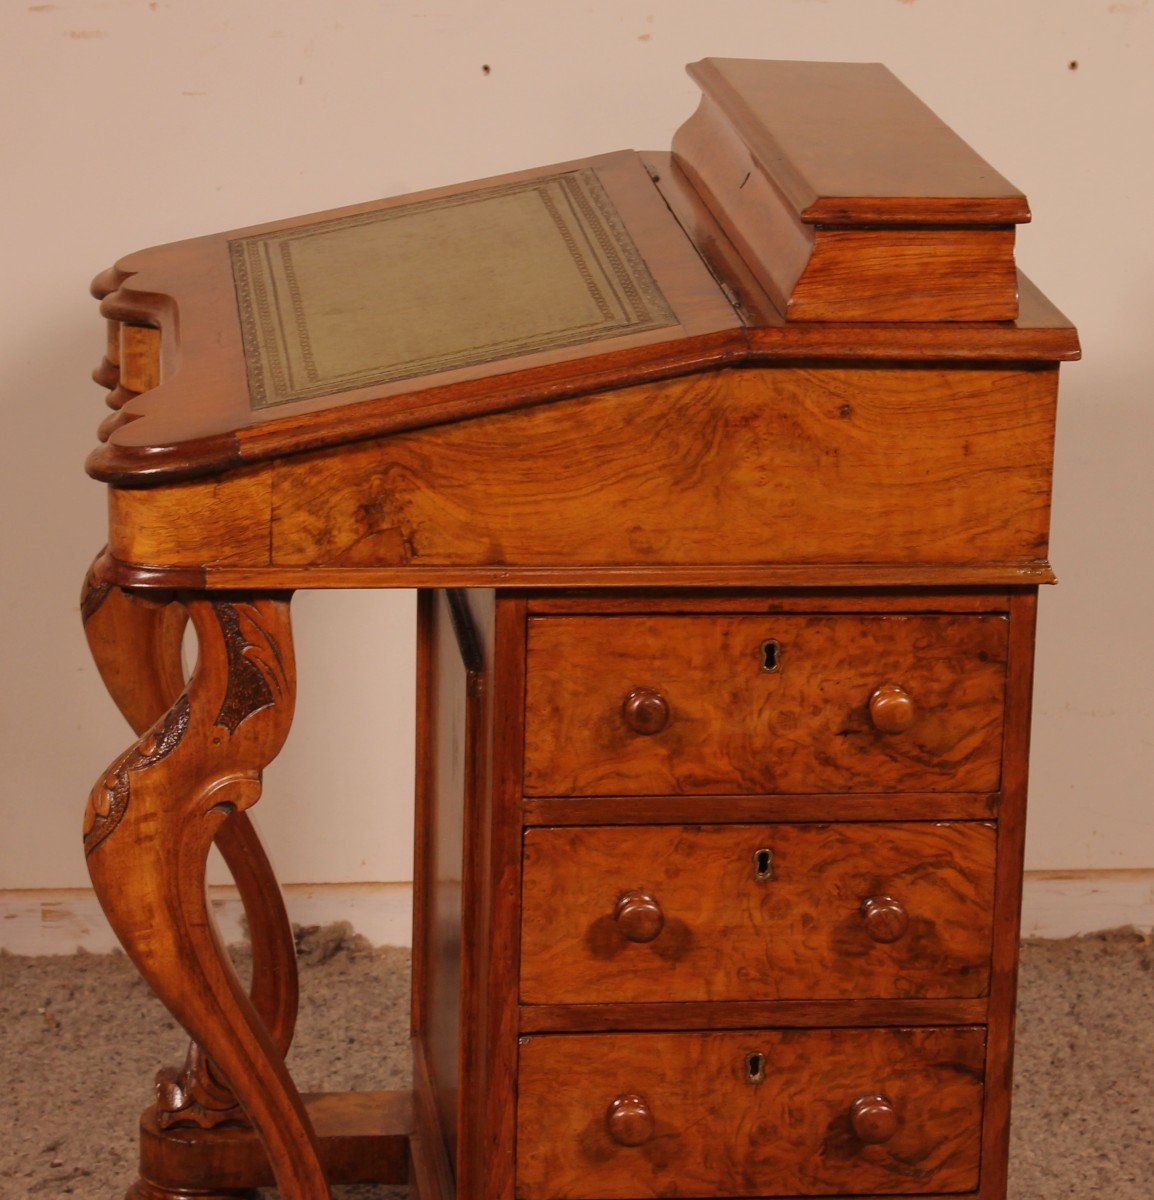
(763, 864)
(755, 1068)
(770, 657)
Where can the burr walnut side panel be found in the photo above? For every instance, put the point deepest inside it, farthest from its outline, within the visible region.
(752, 1113)
(774, 465)
(644, 705)
(760, 467)
(757, 912)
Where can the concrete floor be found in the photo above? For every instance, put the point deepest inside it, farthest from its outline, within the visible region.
(83, 1037)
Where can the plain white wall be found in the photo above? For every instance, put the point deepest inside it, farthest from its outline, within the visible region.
(128, 123)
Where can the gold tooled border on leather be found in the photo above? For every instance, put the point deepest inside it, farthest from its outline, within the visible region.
(288, 311)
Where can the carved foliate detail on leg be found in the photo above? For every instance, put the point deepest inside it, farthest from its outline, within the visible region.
(192, 1096)
(136, 639)
(183, 784)
(254, 666)
(254, 679)
(110, 798)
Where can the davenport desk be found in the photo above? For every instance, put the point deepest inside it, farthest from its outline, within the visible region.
(725, 478)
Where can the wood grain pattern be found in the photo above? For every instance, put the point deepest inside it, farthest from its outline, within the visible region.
(823, 273)
(1042, 333)
(838, 215)
(1008, 893)
(697, 809)
(679, 1015)
(425, 715)
(716, 1133)
(363, 1137)
(606, 601)
(908, 275)
(770, 575)
(753, 215)
(220, 522)
(483, 1051)
(835, 467)
(793, 465)
(464, 1003)
(1039, 333)
(139, 358)
(448, 775)
(135, 640)
(725, 934)
(431, 1174)
(494, 1028)
(849, 143)
(736, 728)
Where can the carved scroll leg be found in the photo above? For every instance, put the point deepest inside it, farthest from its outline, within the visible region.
(136, 642)
(195, 1094)
(149, 826)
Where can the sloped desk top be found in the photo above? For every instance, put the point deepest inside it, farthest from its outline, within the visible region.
(559, 375)
(749, 243)
(407, 312)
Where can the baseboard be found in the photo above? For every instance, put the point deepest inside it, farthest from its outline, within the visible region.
(1060, 904)
(1055, 904)
(68, 920)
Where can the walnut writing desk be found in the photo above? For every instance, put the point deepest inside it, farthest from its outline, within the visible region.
(725, 478)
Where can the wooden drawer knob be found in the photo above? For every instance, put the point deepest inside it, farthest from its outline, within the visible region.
(885, 918)
(892, 709)
(638, 916)
(646, 711)
(874, 1119)
(629, 1121)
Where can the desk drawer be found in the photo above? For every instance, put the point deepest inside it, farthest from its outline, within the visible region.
(757, 912)
(652, 705)
(754, 1113)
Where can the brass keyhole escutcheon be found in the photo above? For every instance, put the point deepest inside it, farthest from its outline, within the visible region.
(763, 865)
(770, 657)
(755, 1068)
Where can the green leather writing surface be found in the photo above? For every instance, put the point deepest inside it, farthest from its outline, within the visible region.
(436, 285)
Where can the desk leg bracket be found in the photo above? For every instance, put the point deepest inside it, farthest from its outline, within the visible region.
(150, 822)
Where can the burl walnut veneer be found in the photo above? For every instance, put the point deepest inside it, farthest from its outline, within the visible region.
(725, 478)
